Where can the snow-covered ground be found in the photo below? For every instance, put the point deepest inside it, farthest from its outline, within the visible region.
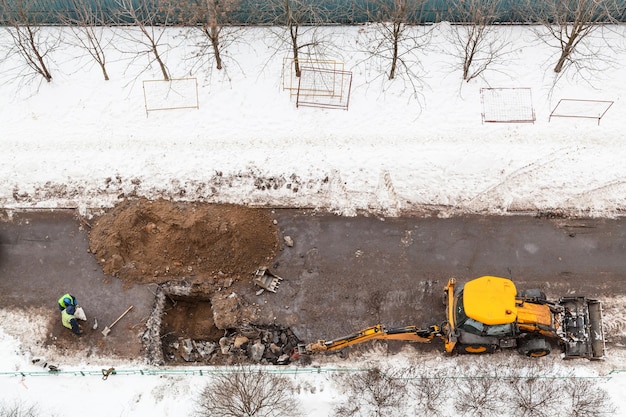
(138, 390)
(80, 141)
(83, 142)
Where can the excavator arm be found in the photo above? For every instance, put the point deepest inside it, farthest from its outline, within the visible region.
(410, 333)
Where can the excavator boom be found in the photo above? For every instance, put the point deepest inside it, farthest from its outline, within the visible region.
(410, 333)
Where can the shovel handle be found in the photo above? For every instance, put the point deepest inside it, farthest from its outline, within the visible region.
(120, 317)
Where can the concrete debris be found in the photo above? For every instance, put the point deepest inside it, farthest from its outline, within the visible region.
(255, 351)
(225, 344)
(275, 349)
(194, 350)
(249, 331)
(240, 341)
(228, 312)
(270, 346)
(205, 349)
(186, 350)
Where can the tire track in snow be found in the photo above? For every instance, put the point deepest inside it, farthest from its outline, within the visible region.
(598, 198)
(387, 200)
(338, 196)
(484, 200)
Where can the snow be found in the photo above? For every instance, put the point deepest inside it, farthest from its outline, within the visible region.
(138, 390)
(83, 142)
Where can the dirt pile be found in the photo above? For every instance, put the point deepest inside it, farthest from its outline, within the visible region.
(142, 241)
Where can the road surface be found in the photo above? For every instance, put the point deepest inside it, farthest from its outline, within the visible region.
(340, 275)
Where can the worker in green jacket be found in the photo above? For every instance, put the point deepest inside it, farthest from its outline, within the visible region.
(67, 300)
(69, 321)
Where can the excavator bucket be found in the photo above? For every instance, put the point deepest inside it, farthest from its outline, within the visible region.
(595, 328)
(582, 335)
(266, 279)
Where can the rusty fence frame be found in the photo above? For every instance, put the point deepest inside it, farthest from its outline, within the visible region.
(578, 116)
(145, 96)
(485, 119)
(304, 95)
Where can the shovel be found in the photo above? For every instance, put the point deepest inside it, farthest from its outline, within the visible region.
(107, 329)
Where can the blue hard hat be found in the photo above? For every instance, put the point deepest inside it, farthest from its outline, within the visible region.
(67, 301)
(70, 309)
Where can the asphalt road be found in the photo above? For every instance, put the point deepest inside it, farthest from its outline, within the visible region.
(342, 273)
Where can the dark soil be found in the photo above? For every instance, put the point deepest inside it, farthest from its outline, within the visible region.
(143, 241)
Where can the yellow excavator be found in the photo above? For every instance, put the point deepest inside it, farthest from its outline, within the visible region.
(489, 314)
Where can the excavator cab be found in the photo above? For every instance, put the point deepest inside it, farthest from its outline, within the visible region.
(481, 315)
(467, 324)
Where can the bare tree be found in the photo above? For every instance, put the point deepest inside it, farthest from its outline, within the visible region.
(534, 393)
(30, 42)
(395, 38)
(587, 399)
(429, 394)
(213, 19)
(301, 20)
(391, 44)
(19, 409)
(380, 393)
(247, 392)
(570, 23)
(148, 18)
(480, 396)
(479, 43)
(87, 24)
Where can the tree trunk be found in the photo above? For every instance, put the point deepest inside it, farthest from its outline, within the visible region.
(566, 51)
(104, 72)
(470, 52)
(215, 41)
(41, 65)
(292, 25)
(294, 44)
(166, 76)
(394, 58)
(561, 62)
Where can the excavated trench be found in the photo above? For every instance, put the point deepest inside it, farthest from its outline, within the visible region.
(182, 330)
